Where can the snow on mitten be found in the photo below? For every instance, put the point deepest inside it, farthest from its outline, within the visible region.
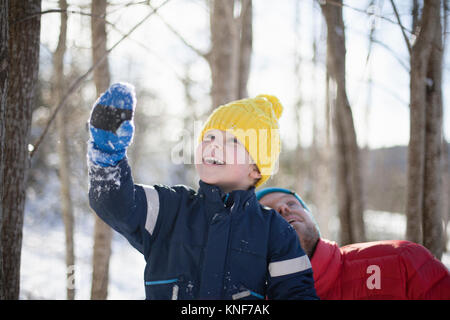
(111, 125)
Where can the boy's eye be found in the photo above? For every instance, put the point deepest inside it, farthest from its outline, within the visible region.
(234, 140)
(209, 137)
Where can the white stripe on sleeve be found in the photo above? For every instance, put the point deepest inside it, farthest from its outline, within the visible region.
(282, 268)
(152, 207)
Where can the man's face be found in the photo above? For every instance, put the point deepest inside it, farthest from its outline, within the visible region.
(223, 161)
(293, 212)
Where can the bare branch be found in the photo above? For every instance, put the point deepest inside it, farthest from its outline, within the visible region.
(408, 44)
(76, 84)
(40, 13)
(187, 43)
(121, 6)
(152, 52)
(78, 12)
(394, 54)
(334, 3)
(403, 62)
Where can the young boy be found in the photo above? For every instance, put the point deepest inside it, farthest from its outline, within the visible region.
(214, 243)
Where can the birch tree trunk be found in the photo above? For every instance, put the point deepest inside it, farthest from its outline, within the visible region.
(349, 177)
(63, 150)
(102, 232)
(424, 210)
(23, 52)
(3, 92)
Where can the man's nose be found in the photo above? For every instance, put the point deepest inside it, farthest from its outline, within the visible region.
(283, 210)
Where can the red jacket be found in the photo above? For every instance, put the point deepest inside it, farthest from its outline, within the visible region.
(392, 269)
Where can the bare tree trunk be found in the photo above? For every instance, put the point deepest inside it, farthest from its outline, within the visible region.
(416, 148)
(349, 178)
(299, 166)
(424, 216)
(446, 166)
(369, 87)
(222, 57)
(322, 172)
(23, 52)
(245, 47)
(320, 148)
(231, 47)
(103, 233)
(4, 66)
(328, 107)
(433, 233)
(63, 150)
(445, 189)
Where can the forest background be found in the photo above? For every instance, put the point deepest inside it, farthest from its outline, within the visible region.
(365, 87)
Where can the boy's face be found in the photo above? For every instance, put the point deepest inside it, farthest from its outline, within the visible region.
(223, 161)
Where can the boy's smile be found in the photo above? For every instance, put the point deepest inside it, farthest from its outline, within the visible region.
(212, 161)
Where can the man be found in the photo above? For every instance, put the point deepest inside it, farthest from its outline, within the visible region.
(390, 269)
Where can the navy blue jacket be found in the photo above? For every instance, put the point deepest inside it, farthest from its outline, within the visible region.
(204, 244)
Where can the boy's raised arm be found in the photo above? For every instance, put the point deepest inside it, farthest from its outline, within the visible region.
(112, 193)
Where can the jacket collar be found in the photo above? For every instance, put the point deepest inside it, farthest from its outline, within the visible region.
(215, 196)
(326, 264)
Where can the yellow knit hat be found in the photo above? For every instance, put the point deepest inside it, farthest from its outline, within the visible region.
(254, 122)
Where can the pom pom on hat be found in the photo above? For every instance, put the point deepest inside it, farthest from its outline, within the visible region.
(275, 104)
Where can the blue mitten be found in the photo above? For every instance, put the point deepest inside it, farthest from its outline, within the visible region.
(111, 125)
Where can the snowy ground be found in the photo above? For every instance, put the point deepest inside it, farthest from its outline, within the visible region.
(43, 270)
